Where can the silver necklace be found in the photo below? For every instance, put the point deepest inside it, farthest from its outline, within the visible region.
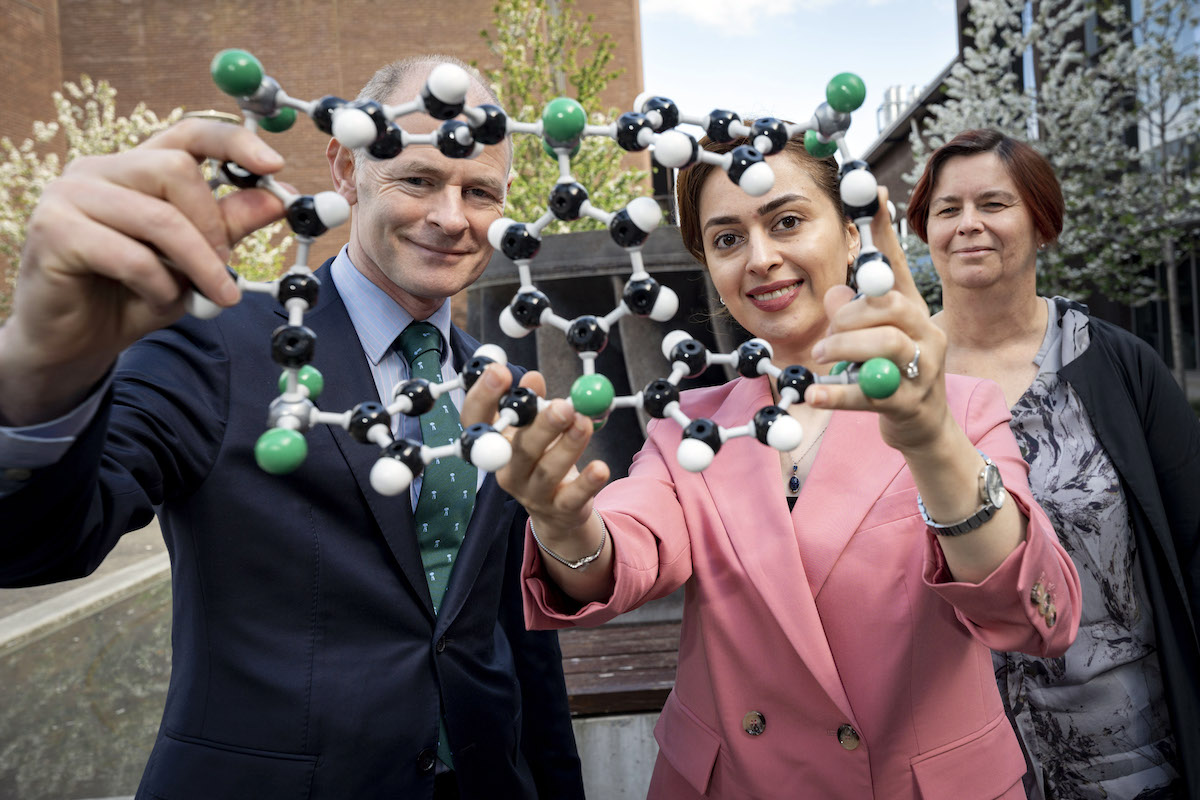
(793, 481)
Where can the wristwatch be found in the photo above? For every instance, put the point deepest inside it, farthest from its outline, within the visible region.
(991, 495)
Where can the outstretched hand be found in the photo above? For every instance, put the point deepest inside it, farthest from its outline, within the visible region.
(892, 326)
(93, 278)
(542, 475)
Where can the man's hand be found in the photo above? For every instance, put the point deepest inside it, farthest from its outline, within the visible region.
(93, 274)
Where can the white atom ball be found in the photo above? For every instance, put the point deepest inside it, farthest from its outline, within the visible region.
(332, 209)
(785, 433)
(645, 213)
(497, 230)
(200, 306)
(858, 188)
(694, 455)
(491, 452)
(758, 179)
(353, 128)
(493, 351)
(508, 323)
(448, 83)
(674, 149)
(671, 339)
(874, 278)
(665, 305)
(390, 477)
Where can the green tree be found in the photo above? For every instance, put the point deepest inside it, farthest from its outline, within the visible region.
(1092, 75)
(546, 51)
(88, 123)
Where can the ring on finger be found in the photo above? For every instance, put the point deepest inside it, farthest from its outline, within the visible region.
(911, 369)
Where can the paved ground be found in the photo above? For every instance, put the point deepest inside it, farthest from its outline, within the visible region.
(132, 548)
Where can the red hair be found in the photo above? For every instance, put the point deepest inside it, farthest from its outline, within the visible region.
(1030, 171)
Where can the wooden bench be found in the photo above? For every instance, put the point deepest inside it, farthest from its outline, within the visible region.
(619, 668)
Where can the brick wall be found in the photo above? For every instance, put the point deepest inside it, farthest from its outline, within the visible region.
(158, 52)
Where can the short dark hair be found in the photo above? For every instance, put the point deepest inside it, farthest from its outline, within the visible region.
(1036, 183)
(824, 172)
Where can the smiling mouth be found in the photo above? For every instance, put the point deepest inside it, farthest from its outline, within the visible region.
(775, 294)
(440, 250)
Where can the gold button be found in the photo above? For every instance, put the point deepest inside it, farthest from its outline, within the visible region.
(848, 737)
(754, 723)
(17, 474)
(1050, 615)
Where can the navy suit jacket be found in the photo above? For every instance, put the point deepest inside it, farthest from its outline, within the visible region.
(307, 661)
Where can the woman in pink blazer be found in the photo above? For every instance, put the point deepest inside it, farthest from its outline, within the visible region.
(840, 648)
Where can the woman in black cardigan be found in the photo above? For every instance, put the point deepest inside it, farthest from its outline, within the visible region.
(1114, 455)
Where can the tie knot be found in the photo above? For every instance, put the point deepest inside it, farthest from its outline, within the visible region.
(418, 338)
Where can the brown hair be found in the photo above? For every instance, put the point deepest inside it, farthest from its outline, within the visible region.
(824, 172)
(1030, 171)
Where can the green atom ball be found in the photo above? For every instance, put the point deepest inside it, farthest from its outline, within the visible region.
(879, 378)
(846, 92)
(236, 72)
(839, 368)
(599, 423)
(592, 395)
(309, 377)
(283, 119)
(563, 121)
(816, 148)
(280, 451)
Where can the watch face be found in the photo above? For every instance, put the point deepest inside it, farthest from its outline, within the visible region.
(993, 485)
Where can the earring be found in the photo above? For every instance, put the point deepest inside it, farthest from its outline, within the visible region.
(720, 300)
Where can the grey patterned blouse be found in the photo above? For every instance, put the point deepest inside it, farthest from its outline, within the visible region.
(1093, 723)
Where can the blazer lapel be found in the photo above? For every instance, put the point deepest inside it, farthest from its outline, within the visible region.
(348, 381)
(746, 486)
(853, 458)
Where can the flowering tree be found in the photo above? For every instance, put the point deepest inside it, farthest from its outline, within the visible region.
(1091, 76)
(540, 44)
(89, 125)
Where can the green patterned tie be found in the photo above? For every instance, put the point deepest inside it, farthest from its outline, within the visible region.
(447, 486)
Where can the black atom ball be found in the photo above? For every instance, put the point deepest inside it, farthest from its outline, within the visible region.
(585, 335)
(365, 416)
(524, 402)
(657, 395)
(322, 113)
(640, 295)
(750, 355)
(527, 307)
(304, 286)
(418, 394)
(719, 121)
(566, 200)
(292, 345)
(303, 218)
(795, 377)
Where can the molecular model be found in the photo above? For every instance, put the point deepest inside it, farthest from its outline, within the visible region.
(562, 127)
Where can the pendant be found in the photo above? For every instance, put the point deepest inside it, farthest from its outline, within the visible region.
(794, 481)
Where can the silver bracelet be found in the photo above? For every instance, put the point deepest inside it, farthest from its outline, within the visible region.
(583, 562)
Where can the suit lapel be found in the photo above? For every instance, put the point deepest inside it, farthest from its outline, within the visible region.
(764, 534)
(854, 458)
(348, 381)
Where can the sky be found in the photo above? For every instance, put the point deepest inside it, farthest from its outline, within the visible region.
(775, 57)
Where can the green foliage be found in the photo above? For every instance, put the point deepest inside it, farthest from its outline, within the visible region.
(1094, 91)
(88, 123)
(545, 52)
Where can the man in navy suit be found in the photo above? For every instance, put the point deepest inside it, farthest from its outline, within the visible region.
(308, 659)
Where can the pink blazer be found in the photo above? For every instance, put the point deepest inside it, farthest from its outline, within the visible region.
(825, 653)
